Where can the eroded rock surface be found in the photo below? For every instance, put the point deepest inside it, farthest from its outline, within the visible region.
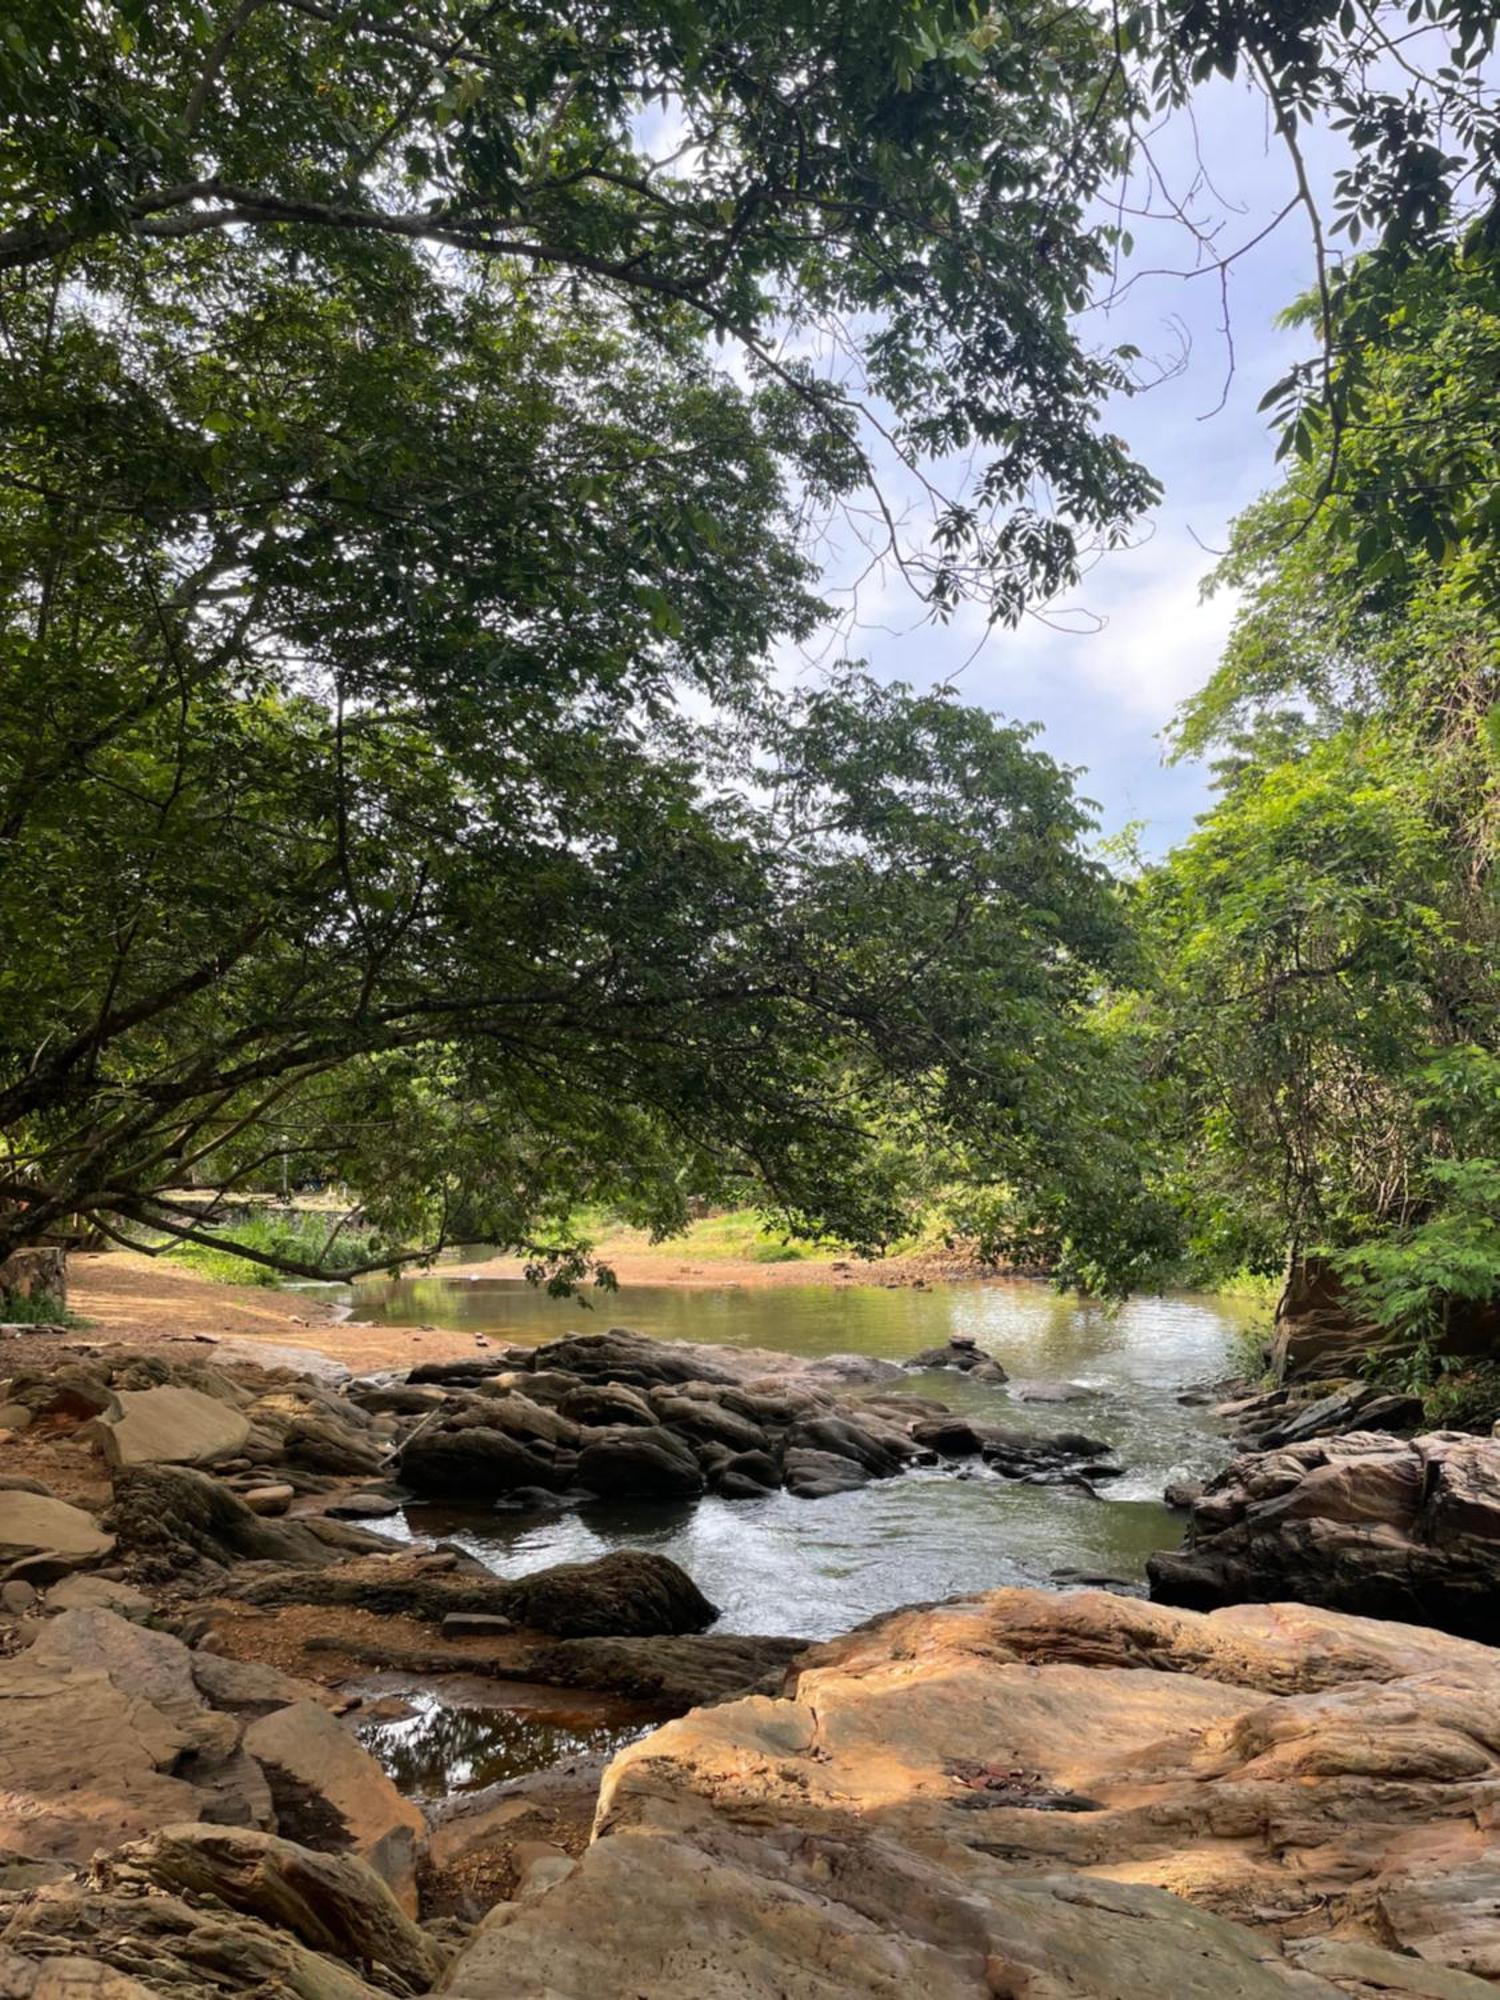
(1044, 1796)
(1387, 1527)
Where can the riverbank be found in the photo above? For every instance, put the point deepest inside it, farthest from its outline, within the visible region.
(1015, 1795)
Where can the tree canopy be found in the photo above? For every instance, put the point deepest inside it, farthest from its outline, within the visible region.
(416, 425)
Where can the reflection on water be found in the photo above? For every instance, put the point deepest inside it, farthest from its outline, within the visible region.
(817, 1567)
(442, 1749)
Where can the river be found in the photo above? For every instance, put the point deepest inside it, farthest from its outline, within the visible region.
(815, 1568)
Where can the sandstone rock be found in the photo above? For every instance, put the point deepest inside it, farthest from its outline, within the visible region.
(171, 1426)
(136, 1944)
(702, 1421)
(104, 1736)
(250, 1687)
(1042, 1795)
(15, 1418)
(72, 1393)
(46, 1538)
(305, 1750)
(363, 1507)
(99, 1593)
(1362, 1523)
(633, 1462)
(18, 1597)
(333, 1903)
(269, 1501)
(600, 1404)
(476, 1625)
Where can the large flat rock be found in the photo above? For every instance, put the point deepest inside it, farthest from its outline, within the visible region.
(171, 1425)
(1046, 1795)
(42, 1533)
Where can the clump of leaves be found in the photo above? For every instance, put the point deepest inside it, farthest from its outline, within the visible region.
(36, 1309)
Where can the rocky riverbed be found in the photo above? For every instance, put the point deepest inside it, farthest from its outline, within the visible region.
(1023, 1793)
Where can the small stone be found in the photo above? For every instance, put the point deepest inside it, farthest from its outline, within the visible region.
(475, 1625)
(363, 1507)
(14, 1417)
(268, 1500)
(17, 1597)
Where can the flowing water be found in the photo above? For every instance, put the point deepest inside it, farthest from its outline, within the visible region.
(817, 1567)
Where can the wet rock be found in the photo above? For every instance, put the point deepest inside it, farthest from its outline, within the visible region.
(746, 1475)
(42, 1539)
(170, 1426)
(1050, 1392)
(632, 1462)
(1181, 1494)
(816, 1475)
(881, 1456)
(1360, 1407)
(476, 1462)
(621, 1355)
(1382, 1526)
(853, 1369)
(305, 1750)
(965, 1354)
(702, 1421)
(334, 1904)
(363, 1507)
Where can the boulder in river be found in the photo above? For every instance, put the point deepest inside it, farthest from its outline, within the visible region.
(1388, 1527)
(961, 1352)
(638, 1462)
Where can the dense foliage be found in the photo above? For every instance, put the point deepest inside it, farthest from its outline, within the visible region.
(1328, 942)
(414, 428)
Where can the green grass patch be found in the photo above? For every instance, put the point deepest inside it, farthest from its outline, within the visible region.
(298, 1237)
(36, 1309)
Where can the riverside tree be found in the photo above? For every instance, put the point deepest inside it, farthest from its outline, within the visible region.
(414, 422)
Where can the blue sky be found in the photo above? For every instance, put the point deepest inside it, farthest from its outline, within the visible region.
(1103, 696)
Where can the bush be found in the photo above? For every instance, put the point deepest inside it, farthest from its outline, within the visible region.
(36, 1309)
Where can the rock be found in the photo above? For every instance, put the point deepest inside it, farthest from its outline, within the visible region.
(18, 1597)
(1360, 1407)
(627, 1591)
(880, 1453)
(815, 1475)
(171, 1426)
(363, 1507)
(678, 1672)
(630, 1591)
(1049, 1796)
(1181, 1494)
(1050, 1392)
(476, 1625)
(964, 1353)
(311, 1761)
(633, 1462)
(701, 1421)
(854, 1369)
(269, 1501)
(46, 1538)
(71, 1393)
(601, 1404)
(540, 1866)
(250, 1687)
(89, 1944)
(15, 1418)
(1386, 1527)
(15, 1482)
(334, 1904)
(105, 1736)
(99, 1593)
(477, 1462)
(746, 1475)
(171, 1517)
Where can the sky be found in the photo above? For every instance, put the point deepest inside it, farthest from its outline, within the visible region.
(1104, 682)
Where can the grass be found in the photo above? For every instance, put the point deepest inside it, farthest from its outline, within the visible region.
(36, 1309)
(299, 1237)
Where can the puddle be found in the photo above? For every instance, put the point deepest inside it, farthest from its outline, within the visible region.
(443, 1749)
